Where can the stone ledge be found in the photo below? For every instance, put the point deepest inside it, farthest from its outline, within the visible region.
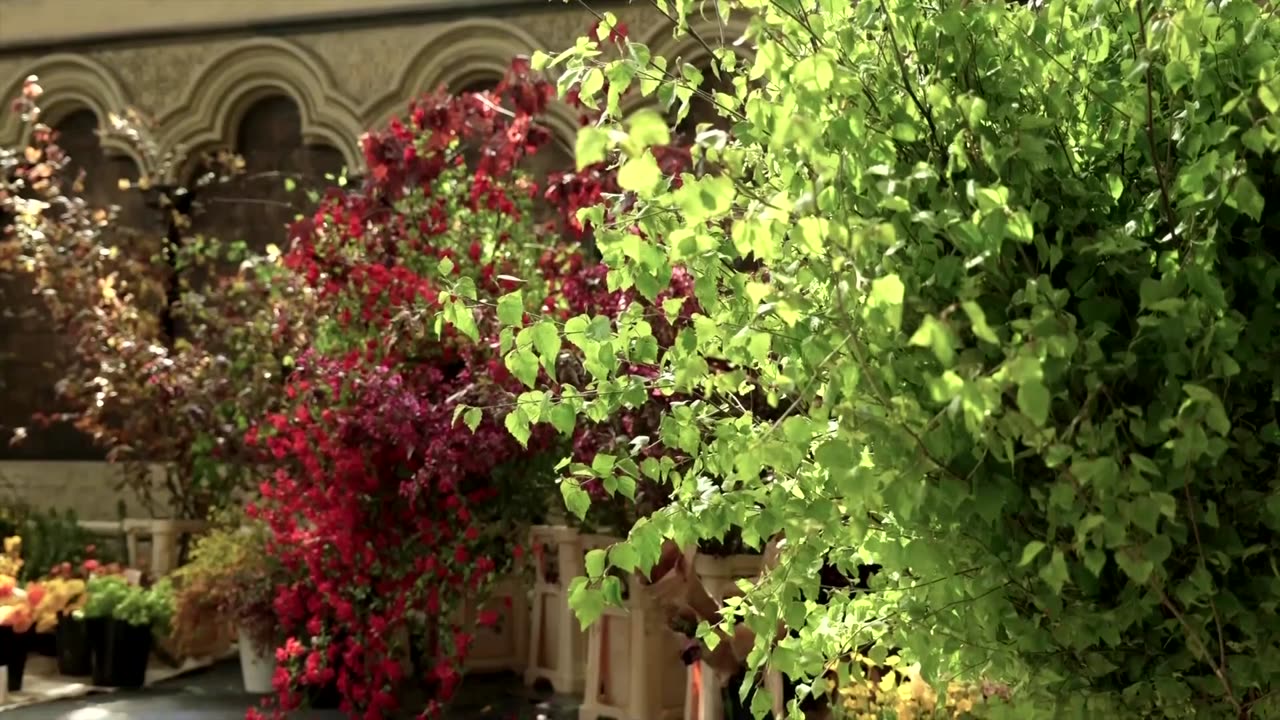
(94, 22)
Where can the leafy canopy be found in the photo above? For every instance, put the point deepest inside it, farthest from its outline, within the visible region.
(1007, 279)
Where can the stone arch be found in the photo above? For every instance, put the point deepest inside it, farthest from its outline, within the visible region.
(461, 54)
(217, 97)
(256, 206)
(72, 83)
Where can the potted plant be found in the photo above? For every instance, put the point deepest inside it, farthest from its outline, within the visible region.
(16, 612)
(232, 579)
(62, 596)
(122, 621)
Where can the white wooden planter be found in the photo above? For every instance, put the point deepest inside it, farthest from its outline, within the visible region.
(500, 648)
(163, 536)
(556, 649)
(719, 576)
(634, 670)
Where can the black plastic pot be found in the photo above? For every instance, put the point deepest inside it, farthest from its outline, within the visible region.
(74, 651)
(121, 660)
(45, 644)
(13, 653)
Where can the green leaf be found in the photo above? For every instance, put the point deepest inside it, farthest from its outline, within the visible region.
(523, 364)
(641, 175)
(1020, 227)
(591, 84)
(591, 146)
(705, 199)
(646, 128)
(1030, 552)
(517, 423)
(933, 334)
(1138, 568)
(887, 293)
(1245, 197)
(1034, 401)
(595, 562)
(576, 500)
(623, 557)
(588, 604)
(1177, 74)
(563, 418)
(1055, 572)
(472, 417)
(1269, 94)
(978, 322)
(811, 234)
(465, 321)
(546, 340)
(511, 308)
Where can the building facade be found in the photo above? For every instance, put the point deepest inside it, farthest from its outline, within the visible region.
(288, 84)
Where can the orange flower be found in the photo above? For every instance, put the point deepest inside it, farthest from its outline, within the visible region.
(35, 593)
(17, 617)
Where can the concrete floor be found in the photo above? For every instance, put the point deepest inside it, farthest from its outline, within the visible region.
(217, 694)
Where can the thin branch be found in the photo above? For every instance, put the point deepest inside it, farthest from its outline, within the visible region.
(1165, 204)
(1200, 647)
(907, 85)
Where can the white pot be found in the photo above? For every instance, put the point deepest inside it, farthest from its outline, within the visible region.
(257, 665)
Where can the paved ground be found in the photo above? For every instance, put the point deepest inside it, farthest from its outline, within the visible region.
(217, 694)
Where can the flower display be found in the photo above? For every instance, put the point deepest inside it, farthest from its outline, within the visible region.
(16, 603)
(398, 486)
(60, 596)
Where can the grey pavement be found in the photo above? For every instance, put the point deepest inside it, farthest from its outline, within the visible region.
(217, 694)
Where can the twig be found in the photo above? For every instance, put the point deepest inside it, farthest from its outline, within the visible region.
(1170, 218)
(906, 83)
(1199, 646)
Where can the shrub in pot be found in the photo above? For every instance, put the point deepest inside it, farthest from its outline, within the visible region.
(232, 579)
(16, 615)
(62, 596)
(59, 615)
(122, 621)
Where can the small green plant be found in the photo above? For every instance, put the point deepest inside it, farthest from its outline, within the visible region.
(151, 606)
(105, 595)
(115, 597)
(52, 538)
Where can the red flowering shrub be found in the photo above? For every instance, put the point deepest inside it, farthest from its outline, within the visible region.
(393, 510)
(399, 487)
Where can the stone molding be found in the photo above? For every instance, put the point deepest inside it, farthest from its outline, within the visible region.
(71, 83)
(210, 101)
(218, 95)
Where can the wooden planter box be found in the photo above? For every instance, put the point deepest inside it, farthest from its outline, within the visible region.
(720, 576)
(500, 648)
(556, 646)
(634, 670)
